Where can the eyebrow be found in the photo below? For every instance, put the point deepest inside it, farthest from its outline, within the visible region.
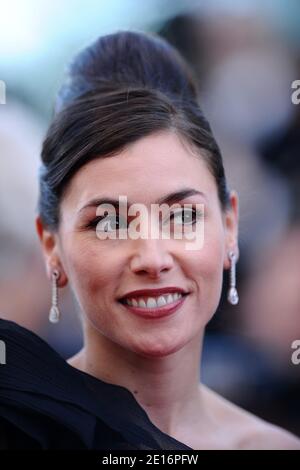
(167, 199)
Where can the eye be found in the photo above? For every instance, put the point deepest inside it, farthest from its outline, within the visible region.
(107, 223)
(186, 216)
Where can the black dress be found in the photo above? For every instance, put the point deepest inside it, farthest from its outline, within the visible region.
(47, 404)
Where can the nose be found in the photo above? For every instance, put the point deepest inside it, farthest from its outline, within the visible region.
(151, 257)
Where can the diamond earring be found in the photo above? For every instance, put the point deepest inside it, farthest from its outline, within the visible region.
(54, 314)
(232, 296)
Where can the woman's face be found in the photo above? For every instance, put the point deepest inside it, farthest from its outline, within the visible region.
(101, 271)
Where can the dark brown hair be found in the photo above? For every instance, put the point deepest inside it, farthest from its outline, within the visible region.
(123, 87)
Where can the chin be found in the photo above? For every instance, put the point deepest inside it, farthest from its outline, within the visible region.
(155, 350)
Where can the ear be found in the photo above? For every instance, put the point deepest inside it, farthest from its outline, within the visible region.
(51, 251)
(231, 220)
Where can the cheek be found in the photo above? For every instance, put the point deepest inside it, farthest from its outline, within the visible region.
(93, 270)
(208, 266)
(206, 269)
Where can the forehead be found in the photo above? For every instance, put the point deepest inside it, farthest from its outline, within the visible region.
(150, 167)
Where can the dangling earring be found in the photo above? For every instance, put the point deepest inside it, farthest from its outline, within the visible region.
(54, 314)
(232, 296)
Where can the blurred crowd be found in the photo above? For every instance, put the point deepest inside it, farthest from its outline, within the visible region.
(24, 287)
(245, 68)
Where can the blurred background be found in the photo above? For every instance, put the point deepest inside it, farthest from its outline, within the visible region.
(246, 54)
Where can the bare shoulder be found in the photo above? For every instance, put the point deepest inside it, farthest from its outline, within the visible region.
(268, 436)
(247, 430)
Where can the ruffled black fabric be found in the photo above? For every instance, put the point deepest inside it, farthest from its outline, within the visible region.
(47, 404)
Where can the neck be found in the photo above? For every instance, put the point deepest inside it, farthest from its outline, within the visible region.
(167, 388)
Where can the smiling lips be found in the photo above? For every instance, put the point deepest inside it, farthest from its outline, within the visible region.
(154, 303)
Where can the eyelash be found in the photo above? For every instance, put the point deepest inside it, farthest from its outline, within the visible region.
(197, 213)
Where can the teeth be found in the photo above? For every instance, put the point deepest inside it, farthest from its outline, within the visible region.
(142, 303)
(161, 301)
(153, 302)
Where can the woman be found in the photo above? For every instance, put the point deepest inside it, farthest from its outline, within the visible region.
(128, 126)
